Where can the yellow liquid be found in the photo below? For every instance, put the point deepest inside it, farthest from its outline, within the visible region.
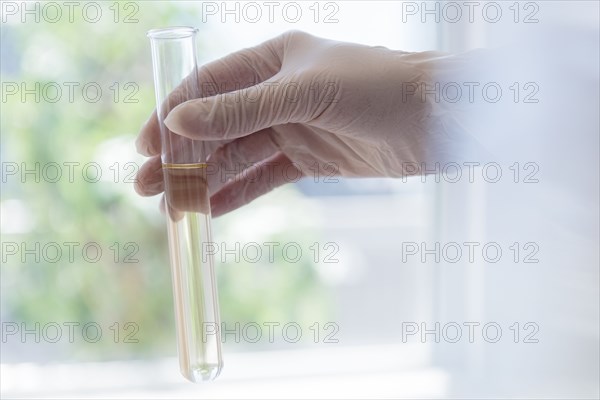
(193, 277)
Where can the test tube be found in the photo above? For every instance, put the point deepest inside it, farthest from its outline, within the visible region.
(188, 209)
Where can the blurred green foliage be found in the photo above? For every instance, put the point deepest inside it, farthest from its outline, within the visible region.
(108, 211)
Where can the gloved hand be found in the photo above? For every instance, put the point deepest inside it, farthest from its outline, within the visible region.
(301, 105)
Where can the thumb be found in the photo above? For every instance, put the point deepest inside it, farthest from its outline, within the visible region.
(239, 113)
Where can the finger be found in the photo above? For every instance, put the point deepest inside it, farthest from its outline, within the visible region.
(149, 180)
(236, 114)
(241, 69)
(279, 169)
(225, 161)
(148, 141)
(234, 157)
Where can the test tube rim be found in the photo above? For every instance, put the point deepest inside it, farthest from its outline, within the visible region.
(173, 32)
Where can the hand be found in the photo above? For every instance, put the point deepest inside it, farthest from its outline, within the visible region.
(295, 103)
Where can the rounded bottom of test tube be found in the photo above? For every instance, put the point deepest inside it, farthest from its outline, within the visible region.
(203, 373)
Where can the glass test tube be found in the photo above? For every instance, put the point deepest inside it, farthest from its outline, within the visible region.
(188, 209)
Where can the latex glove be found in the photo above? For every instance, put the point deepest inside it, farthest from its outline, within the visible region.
(301, 105)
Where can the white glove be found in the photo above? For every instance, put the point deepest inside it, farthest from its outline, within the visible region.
(299, 105)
